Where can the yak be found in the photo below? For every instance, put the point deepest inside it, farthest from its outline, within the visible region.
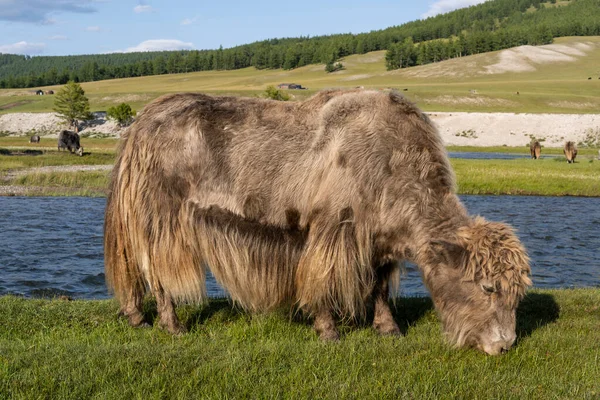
(34, 139)
(570, 151)
(312, 205)
(70, 140)
(535, 149)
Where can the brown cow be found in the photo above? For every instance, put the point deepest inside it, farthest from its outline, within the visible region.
(570, 151)
(535, 149)
(311, 204)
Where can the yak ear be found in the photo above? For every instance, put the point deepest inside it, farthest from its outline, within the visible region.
(453, 254)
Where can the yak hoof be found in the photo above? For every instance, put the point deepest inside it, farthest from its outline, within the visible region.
(388, 330)
(135, 319)
(175, 329)
(329, 336)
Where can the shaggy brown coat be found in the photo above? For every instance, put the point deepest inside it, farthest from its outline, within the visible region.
(570, 151)
(535, 148)
(312, 204)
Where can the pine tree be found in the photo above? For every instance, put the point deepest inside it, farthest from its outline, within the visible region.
(71, 104)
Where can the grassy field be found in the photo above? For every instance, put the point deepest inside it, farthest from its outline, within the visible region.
(453, 85)
(550, 176)
(80, 349)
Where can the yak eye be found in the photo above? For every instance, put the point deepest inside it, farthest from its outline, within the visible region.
(488, 288)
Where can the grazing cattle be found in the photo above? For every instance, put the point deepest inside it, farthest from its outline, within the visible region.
(312, 204)
(34, 139)
(69, 140)
(570, 151)
(535, 149)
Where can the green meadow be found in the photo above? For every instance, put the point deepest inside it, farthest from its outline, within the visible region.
(80, 349)
(455, 85)
(549, 176)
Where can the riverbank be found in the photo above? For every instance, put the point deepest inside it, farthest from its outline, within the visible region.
(551, 176)
(80, 349)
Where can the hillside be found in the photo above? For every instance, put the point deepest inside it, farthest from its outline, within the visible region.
(551, 78)
(477, 100)
(489, 26)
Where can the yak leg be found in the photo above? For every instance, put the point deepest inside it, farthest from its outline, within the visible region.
(131, 308)
(166, 313)
(383, 320)
(325, 325)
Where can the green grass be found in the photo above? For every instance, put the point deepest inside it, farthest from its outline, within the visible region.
(550, 176)
(453, 85)
(524, 150)
(546, 177)
(11, 159)
(80, 349)
(94, 181)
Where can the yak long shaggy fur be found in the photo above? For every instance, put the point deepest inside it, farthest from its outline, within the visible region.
(570, 151)
(295, 203)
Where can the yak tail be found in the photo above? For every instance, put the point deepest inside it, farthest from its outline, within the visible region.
(335, 270)
(254, 262)
(145, 245)
(123, 277)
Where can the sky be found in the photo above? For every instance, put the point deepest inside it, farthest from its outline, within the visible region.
(68, 27)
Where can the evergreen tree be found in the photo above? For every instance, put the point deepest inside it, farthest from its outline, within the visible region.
(71, 104)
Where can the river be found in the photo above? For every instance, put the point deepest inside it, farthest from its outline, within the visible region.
(52, 246)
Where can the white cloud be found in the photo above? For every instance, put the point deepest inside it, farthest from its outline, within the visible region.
(38, 11)
(444, 6)
(160, 45)
(93, 29)
(189, 21)
(142, 9)
(23, 48)
(58, 37)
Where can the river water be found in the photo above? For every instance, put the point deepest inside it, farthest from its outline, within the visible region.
(51, 246)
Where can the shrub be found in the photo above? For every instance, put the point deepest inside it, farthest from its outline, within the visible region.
(275, 94)
(122, 113)
(331, 67)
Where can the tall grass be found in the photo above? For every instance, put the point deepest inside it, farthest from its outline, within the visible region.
(94, 180)
(15, 159)
(80, 349)
(548, 177)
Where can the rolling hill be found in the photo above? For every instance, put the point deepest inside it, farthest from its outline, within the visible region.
(549, 78)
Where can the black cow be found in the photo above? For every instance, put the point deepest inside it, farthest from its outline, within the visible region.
(34, 139)
(69, 140)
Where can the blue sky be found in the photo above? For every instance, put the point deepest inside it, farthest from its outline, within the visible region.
(64, 27)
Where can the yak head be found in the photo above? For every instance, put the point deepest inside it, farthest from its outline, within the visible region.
(80, 151)
(477, 282)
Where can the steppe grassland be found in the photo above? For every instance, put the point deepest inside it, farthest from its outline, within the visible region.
(554, 85)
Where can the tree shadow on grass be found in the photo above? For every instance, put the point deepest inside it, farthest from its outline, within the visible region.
(535, 311)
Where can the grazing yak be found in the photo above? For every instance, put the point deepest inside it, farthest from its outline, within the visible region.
(310, 204)
(535, 149)
(69, 140)
(570, 151)
(34, 139)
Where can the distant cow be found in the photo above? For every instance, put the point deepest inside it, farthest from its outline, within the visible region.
(535, 149)
(34, 139)
(69, 140)
(570, 151)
